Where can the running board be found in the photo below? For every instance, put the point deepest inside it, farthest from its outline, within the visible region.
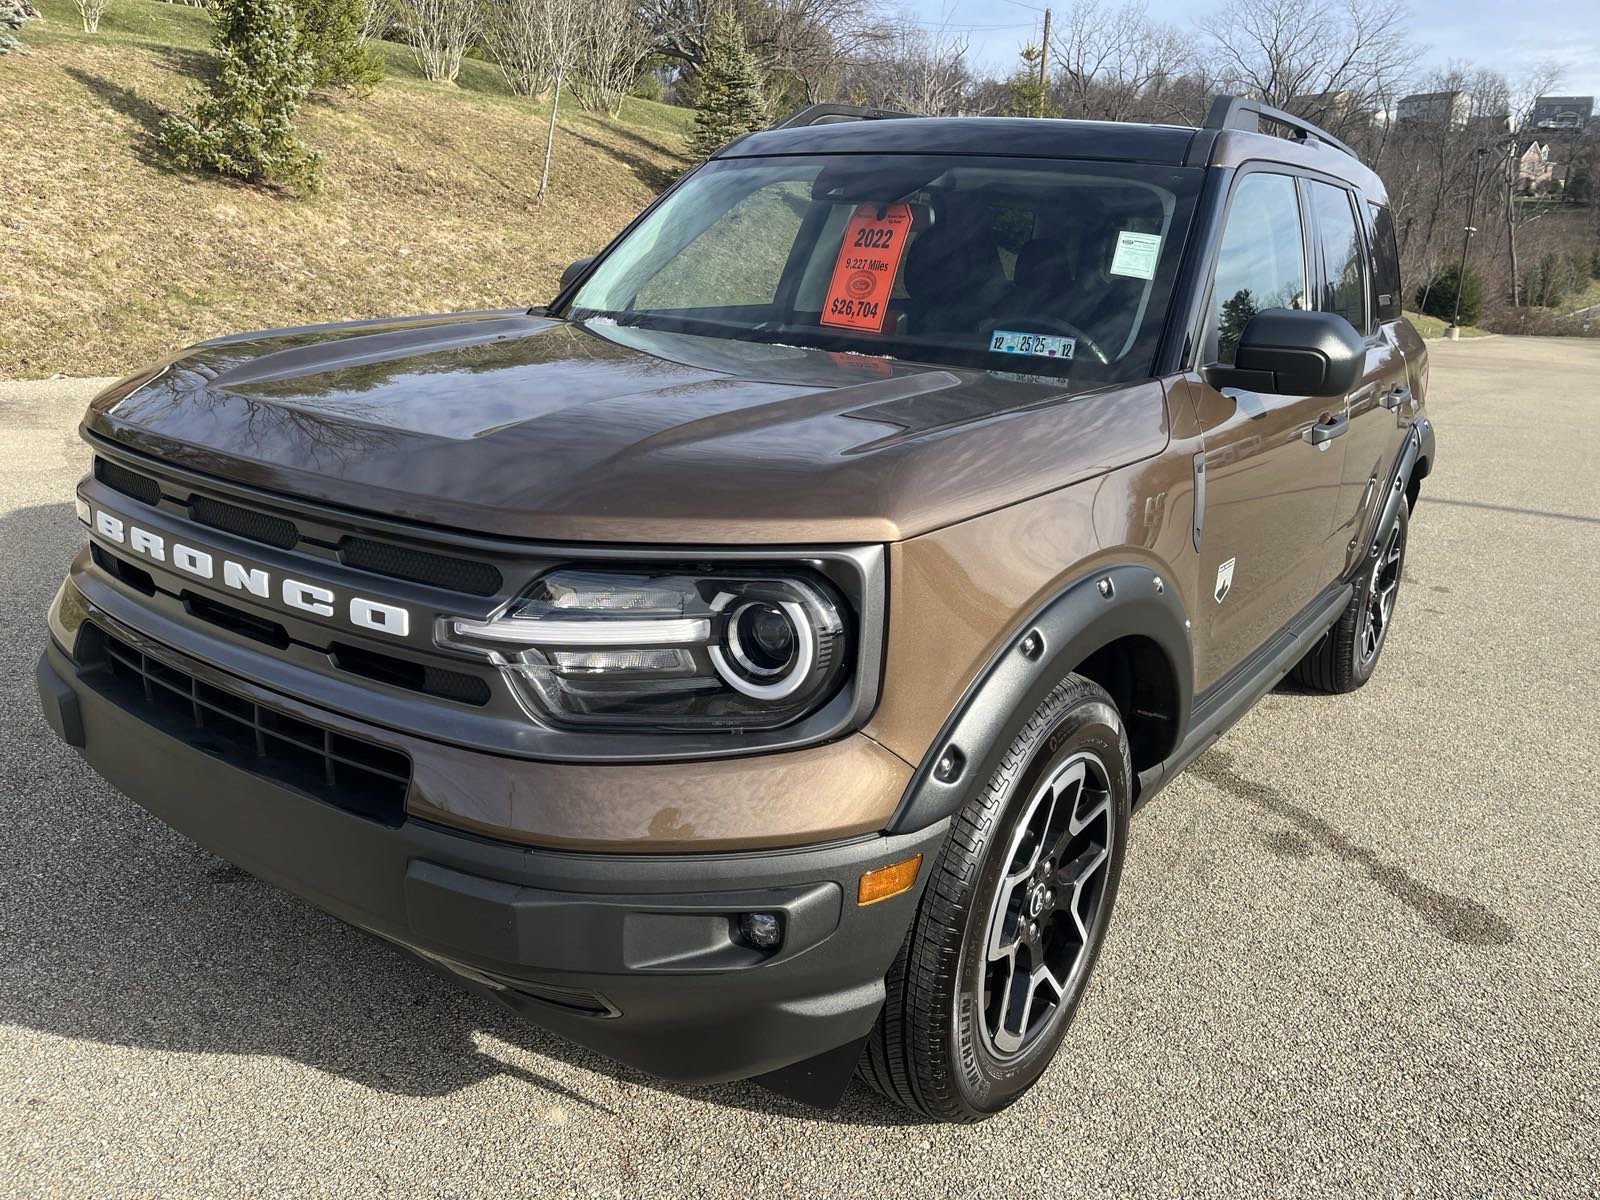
(1225, 701)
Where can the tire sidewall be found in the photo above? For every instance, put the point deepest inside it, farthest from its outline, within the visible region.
(987, 1083)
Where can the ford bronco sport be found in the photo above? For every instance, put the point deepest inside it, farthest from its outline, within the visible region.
(747, 665)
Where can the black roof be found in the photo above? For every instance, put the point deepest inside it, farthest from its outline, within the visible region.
(1021, 137)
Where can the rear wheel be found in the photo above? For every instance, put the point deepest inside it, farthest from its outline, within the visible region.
(1012, 919)
(1348, 653)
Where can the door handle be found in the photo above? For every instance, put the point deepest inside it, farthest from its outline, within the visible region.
(1394, 399)
(1326, 431)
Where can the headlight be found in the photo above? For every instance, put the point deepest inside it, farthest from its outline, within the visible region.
(727, 649)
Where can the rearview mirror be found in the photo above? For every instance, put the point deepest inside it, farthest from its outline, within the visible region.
(1286, 352)
(574, 269)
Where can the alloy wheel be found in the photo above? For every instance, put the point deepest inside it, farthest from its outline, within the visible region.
(1381, 591)
(1048, 906)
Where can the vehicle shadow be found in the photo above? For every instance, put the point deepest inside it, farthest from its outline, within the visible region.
(119, 930)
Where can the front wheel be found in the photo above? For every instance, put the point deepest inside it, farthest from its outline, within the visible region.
(1012, 918)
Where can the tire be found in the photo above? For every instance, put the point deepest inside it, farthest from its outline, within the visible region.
(1346, 656)
(949, 1043)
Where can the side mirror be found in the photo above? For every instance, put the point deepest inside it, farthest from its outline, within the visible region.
(1286, 352)
(574, 269)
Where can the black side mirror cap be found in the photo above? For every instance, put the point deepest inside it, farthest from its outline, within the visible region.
(574, 269)
(1286, 352)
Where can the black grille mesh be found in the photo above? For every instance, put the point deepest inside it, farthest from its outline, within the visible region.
(130, 483)
(364, 554)
(419, 566)
(403, 672)
(359, 776)
(242, 522)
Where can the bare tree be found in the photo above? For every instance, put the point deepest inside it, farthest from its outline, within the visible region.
(1539, 82)
(613, 45)
(916, 69)
(803, 47)
(1344, 56)
(441, 32)
(376, 17)
(514, 33)
(562, 28)
(90, 12)
(1114, 63)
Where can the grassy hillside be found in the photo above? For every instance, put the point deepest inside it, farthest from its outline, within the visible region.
(1434, 327)
(107, 258)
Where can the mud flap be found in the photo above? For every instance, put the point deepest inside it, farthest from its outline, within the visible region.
(821, 1081)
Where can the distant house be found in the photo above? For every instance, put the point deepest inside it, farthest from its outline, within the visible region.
(1561, 112)
(1453, 109)
(1535, 171)
(1339, 109)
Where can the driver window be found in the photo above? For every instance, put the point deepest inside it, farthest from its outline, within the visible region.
(1261, 262)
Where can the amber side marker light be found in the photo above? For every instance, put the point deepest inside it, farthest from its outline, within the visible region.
(883, 882)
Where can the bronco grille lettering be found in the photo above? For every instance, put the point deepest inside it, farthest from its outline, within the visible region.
(255, 581)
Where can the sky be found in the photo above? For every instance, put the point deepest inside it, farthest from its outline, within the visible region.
(1507, 36)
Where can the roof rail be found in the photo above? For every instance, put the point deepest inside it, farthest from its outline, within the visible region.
(1235, 112)
(830, 114)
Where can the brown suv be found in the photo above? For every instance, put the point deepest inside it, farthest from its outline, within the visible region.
(748, 664)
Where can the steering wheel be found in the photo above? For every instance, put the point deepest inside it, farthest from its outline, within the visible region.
(1081, 340)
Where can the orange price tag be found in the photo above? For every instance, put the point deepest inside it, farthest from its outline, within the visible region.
(858, 296)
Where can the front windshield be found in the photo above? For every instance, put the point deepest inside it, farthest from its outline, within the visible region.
(1036, 266)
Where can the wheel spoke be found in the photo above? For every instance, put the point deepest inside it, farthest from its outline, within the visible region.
(1044, 906)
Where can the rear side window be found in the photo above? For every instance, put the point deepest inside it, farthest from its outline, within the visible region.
(1261, 262)
(1387, 293)
(1343, 279)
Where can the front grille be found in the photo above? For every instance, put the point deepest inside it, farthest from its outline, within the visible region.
(130, 483)
(349, 773)
(244, 522)
(419, 566)
(472, 577)
(405, 673)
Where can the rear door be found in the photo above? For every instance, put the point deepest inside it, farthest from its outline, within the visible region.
(1270, 488)
(1348, 287)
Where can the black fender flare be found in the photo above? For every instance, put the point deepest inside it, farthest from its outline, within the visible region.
(1110, 603)
(1395, 495)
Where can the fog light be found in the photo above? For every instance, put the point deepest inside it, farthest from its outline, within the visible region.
(763, 930)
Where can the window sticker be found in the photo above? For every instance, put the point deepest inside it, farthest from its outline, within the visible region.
(1136, 254)
(869, 256)
(1040, 345)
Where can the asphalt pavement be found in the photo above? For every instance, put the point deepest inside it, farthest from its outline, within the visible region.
(1357, 948)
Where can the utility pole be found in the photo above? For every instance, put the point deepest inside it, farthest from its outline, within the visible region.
(1044, 66)
(1454, 330)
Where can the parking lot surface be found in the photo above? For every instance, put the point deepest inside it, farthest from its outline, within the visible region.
(1357, 947)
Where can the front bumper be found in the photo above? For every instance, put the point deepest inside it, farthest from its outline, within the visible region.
(636, 956)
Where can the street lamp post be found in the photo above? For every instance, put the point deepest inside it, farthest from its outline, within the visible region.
(1454, 330)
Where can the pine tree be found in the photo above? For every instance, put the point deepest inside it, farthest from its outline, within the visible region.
(1026, 95)
(12, 14)
(729, 89)
(329, 33)
(243, 123)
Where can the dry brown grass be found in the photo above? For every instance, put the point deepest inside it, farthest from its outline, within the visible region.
(108, 259)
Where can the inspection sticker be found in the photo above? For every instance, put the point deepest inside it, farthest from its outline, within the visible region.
(869, 256)
(1040, 345)
(1136, 254)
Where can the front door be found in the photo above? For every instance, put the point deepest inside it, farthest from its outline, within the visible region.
(1272, 464)
(1375, 432)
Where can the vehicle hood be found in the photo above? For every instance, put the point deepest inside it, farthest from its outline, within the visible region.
(521, 425)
